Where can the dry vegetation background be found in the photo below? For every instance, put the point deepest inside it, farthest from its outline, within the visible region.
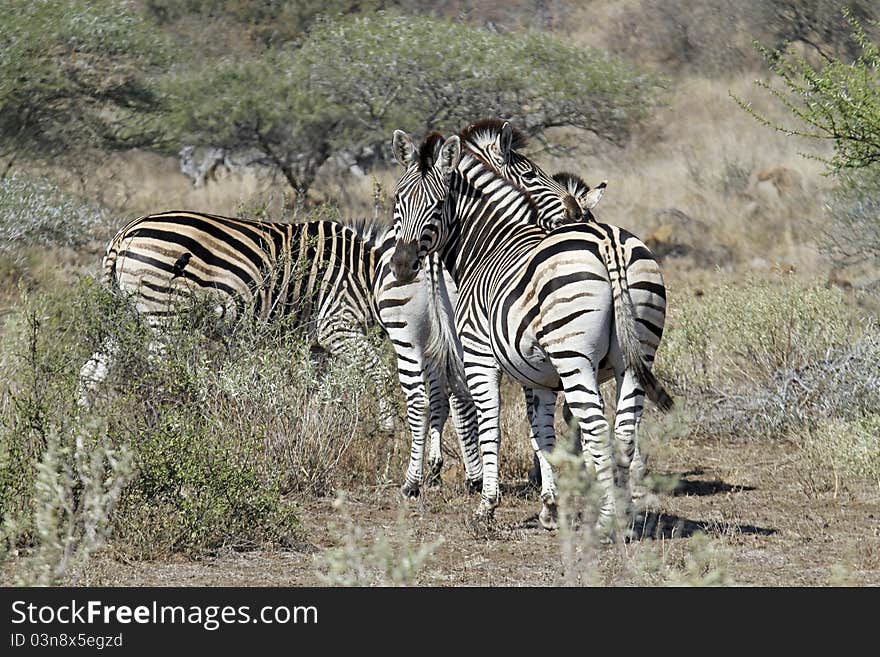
(224, 464)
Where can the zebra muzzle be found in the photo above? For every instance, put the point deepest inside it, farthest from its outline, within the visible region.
(573, 209)
(405, 261)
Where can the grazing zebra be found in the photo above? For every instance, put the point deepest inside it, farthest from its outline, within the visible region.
(496, 143)
(541, 307)
(323, 276)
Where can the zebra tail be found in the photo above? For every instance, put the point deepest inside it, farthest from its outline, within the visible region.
(631, 347)
(108, 263)
(441, 350)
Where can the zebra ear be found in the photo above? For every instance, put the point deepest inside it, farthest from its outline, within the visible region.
(450, 155)
(505, 142)
(589, 200)
(404, 149)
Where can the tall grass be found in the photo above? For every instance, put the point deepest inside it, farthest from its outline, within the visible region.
(779, 359)
(223, 424)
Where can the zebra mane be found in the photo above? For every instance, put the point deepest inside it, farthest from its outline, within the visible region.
(573, 183)
(489, 130)
(367, 229)
(428, 151)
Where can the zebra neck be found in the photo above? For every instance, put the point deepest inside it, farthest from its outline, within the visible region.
(336, 251)
(490, 221)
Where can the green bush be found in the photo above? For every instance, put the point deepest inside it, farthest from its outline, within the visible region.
(853, 228)
(224, 423)
(768, 358)
(842, 452)
(746, 333)
(35, 212)
(295, 107)
(76, 492)
(74, 75)
(838, 101)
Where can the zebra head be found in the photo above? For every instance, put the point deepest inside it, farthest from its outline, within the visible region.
(496, 143)
(420, 198)
(587, 198)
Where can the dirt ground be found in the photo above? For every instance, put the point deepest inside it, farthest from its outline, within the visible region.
(764, 530)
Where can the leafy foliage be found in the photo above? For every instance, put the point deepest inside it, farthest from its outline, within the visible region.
(763, 359)
(72, 76)
(38, 212)
(356, 79)
(839, 101)
(263, 22)
(853, 234)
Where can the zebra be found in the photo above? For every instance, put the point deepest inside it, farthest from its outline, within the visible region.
(323, 275)
(554, 204)
(496, 143)
(539, 306)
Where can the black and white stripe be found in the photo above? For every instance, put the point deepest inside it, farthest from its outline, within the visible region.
(321, 275)
(541, 307)
(629, 262)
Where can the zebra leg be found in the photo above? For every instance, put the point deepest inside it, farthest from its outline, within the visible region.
(375, 369)
(464, 419)
(417, 417)
(484, 381)
(439, 412)
(535, 478)
(637, 471)
(581, 386)
(411, 375)
(93, 373)
(630, 403)
(541, 407)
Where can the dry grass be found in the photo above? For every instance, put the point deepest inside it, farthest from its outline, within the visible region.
(690, 183)
(710, 190)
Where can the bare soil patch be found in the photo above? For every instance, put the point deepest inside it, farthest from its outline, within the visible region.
(746, 497)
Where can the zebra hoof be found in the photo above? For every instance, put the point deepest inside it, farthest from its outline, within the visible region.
(435, 467)
(605, 530)
(409, 491)
(549, 516)
(475, 486)
(433, 480)
(480, 525)
(646, 502)
(535, 478)
(486, 507)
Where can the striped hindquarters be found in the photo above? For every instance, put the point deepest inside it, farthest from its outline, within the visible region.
(631, 263)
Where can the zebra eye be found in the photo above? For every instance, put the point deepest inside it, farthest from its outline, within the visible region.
(529, 175)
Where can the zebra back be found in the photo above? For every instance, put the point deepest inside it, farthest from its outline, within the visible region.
(319, 273)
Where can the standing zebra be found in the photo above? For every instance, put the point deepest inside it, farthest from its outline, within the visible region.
(496, 144)
(541, 307)
(322, 275)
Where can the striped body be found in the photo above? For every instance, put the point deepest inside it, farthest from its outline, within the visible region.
(318, 274)
(322, 276)
(539, 306)
(627, 259)
(634, 272)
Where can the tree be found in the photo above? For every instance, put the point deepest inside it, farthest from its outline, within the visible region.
(840, 102)
(356, 79)
(72, 77)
